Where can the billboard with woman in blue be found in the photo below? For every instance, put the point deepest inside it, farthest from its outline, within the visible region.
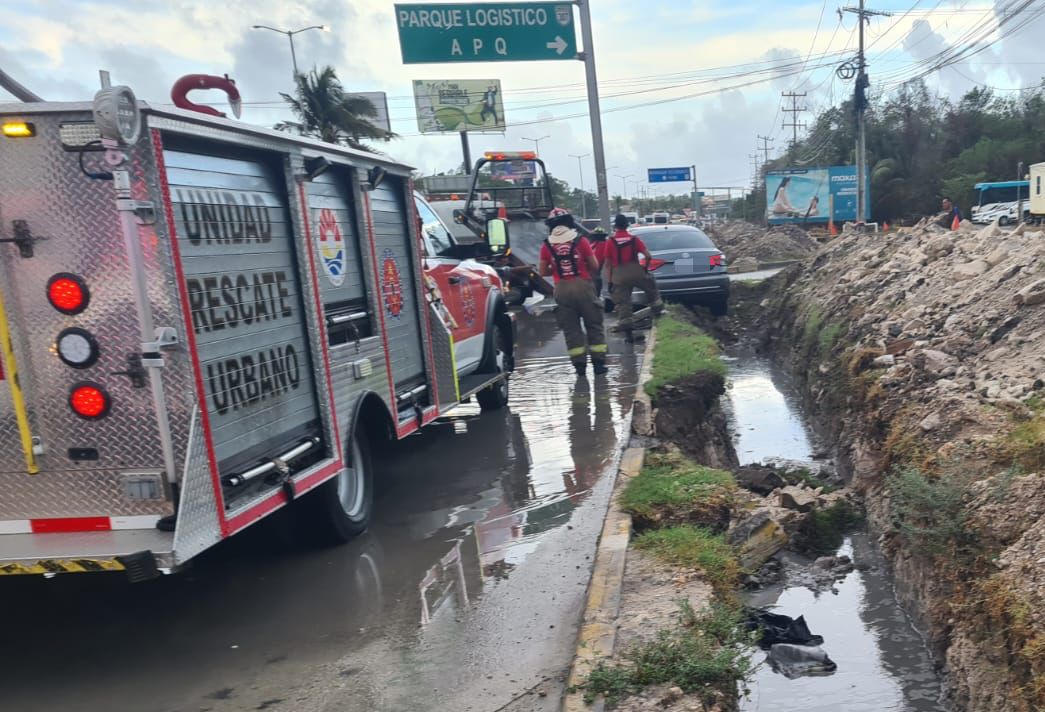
(804, 195)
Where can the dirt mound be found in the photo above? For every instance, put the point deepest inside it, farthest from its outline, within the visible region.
(753, 245)
(922, 353)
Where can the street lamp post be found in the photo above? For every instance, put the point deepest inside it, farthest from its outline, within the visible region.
(580, 170)
(624, 184)
(537, 143)
(290, 36)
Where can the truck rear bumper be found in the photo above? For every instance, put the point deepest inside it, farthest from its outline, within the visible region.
(79, 552)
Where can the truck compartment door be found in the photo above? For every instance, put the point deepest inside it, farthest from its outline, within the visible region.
(237, 251)
(397, 283)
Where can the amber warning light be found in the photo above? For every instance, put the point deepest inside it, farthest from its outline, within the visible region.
(19, 129)
(510, 155)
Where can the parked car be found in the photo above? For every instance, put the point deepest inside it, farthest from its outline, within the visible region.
(590, 223)
(687, 266)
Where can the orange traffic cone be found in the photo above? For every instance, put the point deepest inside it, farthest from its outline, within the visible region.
(956, 223)
(831, 228)
(502, 212)
(885, 227)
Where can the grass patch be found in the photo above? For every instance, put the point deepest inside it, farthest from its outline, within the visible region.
(811, 328)
(830, 334)
(707, 653)
(672, 482)
(1011, 624)
(1025, 444)
(695, 548)
(930, 516)
(826, 528)
(681, 350)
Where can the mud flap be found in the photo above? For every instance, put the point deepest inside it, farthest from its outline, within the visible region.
(140, 566)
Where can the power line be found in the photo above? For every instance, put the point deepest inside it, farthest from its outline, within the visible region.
(766, 140)
(795, 109)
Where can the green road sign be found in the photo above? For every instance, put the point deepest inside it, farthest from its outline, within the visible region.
(486, 32)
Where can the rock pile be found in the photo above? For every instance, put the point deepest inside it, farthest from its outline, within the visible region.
(925, 349)
(952, 315)
(749, 247)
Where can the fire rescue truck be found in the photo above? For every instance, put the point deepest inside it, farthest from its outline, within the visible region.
(203, 321)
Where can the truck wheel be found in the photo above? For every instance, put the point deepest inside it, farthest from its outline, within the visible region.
(339, 509)
(495, 397)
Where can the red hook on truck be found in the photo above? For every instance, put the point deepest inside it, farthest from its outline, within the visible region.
(191, 82)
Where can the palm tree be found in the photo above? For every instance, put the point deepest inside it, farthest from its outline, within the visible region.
(326, 111)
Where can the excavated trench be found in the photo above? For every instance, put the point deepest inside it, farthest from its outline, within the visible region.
(883, 662)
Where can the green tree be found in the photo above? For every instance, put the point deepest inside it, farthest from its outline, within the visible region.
(324, 110)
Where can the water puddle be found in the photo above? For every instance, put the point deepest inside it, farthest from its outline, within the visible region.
(883, 663)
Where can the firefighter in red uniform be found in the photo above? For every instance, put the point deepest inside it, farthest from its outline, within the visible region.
(597, 238)
(567, 256)
(625, 272)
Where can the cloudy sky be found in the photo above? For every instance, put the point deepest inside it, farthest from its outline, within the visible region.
(683, 81)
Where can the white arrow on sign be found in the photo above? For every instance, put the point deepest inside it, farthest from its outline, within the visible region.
(559, 45)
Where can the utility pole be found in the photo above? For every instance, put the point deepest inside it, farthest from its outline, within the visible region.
(594, 113)
(860, 107)
(580, 171)
(766, 140)
(794, 111)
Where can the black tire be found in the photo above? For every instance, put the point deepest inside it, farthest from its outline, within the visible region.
(719, 307)
(495, 396)
(1003, 221)
(339, 509)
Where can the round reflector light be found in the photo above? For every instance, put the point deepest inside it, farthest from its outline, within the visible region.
(68, 293)
(77, 347)
(89, 400)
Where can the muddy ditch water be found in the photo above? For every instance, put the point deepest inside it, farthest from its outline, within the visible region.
(882, 661)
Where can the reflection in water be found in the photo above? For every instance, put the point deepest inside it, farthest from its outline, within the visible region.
(545, 463)
(765, 421)
(883, 663)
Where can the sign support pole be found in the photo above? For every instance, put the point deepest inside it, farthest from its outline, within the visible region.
(594, 112)
(696, 196)
(467, 151)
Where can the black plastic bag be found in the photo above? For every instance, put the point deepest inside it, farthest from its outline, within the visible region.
(777, 628)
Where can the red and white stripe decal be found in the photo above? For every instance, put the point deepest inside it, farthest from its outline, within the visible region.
(400, 432)
(190, 335)
(65, 525)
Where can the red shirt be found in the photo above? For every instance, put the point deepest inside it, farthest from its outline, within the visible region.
(564, 264)
(623, 248)
(599, 248)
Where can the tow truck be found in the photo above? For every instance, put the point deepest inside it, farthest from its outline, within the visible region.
(515, 186)
(204, 321)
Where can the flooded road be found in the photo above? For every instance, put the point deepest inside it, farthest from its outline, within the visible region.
(883, 663)
(464, 595)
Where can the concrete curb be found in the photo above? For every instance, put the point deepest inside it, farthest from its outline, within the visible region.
(598, 634)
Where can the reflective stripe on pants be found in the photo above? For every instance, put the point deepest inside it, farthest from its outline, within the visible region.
(576, 305)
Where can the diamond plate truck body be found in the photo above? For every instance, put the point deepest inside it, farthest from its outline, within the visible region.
(296, 297)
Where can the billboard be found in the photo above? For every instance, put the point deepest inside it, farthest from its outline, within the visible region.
(467, 105)
(380, 101)
(800, 195)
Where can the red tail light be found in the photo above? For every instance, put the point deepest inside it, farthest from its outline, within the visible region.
(655, 264)
(68, 293)
(89, 400)
(716, 260)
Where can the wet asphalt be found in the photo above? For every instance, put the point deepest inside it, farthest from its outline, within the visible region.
(466, 593)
